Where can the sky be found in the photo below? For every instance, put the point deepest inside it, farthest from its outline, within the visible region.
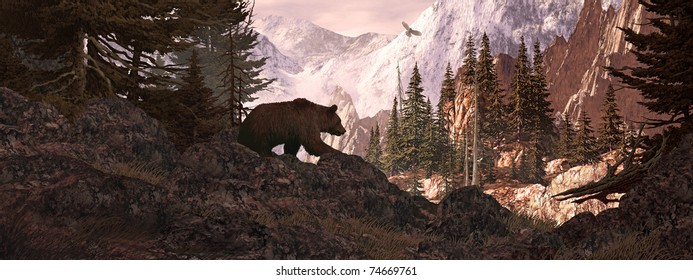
(348, 17)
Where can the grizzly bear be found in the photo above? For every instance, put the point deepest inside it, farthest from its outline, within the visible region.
(292, 123)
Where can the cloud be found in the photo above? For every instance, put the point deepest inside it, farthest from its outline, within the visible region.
(348, 17)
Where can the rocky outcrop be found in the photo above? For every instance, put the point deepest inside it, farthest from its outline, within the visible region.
(537, 200)
(656, 216)
(133, 197)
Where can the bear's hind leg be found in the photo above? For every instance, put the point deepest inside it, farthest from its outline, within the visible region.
(291, 148)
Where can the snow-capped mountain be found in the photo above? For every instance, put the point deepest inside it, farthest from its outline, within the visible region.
(366, 66)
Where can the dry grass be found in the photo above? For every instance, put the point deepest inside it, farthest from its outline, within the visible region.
(633, 247)
(378, 240)
(145, 171)
(104, 229)
(518, 221)
(22, 239)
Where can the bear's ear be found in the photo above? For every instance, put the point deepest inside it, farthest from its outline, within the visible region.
(332, 109)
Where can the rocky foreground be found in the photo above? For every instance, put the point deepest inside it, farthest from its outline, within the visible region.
(110, 185)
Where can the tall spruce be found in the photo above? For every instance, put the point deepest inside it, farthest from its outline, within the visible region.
(241, 78)
(521, 90)
(541, 121)
(198, 116)
(611, 130)
(442, 124)
(393, 151)
(414, 122)
(469, 79)
(586, 150)
(664, 75)
(566, 145)
(428, 155)
(534, 164)
(469, 63)
(491, 107)
(374, 151)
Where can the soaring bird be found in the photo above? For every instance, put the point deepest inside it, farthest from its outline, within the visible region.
(410, 31)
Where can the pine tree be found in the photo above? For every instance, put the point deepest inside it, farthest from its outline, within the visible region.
(585, 143)
(534, 164)
(378, 149)
(428, 149)
(241, 78)
(414, 123)
(468, 68)
(611, 129)
(566, 148)
(393, 151)
(444, 149)
(665, 58)
(491, 107)
(541, 121)
(521, 89)
(374, 152)
(198, 116)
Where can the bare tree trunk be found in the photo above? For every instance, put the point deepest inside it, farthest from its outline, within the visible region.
(475, 169)
(466, 159)
(80, 66)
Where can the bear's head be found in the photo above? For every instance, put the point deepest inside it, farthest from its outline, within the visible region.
(333, 125)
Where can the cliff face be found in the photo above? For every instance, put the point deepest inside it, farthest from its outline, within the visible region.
(575, 68)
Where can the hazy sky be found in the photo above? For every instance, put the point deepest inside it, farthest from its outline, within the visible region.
(348, 17)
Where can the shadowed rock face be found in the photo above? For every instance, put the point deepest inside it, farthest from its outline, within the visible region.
(575, 72)
(112, 186)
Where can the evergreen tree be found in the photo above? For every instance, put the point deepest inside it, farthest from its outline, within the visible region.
(374, 152)
(534, 164)
(428, 149)
(585, 143)
(611, 129)
(444, 149)
(663, 75)
(101, 46)
(414, 123)
(521, 90)
(566, 148)
(447, 91)
(541, 121)
(198, 117)
(492, 96)
(393, 151)
(468, 68)
(241, 78)
(491, 108)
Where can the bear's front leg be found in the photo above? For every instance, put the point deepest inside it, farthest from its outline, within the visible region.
(291, 148)
(316, 147)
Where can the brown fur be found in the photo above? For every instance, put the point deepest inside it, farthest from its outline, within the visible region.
(293, 123)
